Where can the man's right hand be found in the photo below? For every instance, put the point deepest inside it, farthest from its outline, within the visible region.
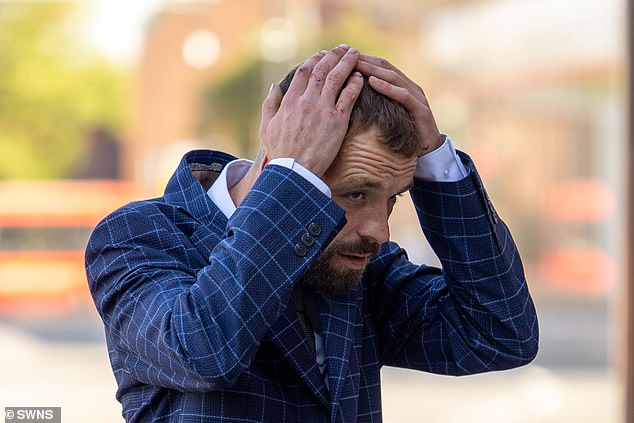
(310, 121)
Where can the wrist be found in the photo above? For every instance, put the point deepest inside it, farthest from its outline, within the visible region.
(441, 165)
(306, 173)
(438, 142)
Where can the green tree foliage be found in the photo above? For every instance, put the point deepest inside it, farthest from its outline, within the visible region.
(234, 105)
(231, 106)
(53, 91)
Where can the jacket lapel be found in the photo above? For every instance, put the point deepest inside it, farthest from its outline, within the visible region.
(339, 317)
(288, 336)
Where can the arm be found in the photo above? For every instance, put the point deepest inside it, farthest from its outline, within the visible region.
(475, 314)
(180, 320)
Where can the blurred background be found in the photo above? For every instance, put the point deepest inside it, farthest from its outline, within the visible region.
(99, 99)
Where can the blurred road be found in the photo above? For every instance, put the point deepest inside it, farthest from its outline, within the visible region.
(53, 364)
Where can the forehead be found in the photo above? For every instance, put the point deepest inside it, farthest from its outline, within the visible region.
(365, 160)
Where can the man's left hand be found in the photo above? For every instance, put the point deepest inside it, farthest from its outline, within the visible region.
(388, 80)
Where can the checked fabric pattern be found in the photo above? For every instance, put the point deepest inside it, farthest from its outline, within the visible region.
(196, 307)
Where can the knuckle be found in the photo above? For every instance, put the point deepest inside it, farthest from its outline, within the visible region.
(319, 72)
(393, 75)
(335, 77)
(304, 105)
(346, 96)
(304, 68)
(338, 50)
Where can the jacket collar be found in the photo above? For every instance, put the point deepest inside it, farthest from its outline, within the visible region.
(188, 185)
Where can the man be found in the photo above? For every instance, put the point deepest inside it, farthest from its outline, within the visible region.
(269, 290)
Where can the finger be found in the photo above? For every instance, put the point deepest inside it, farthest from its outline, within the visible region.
(369, 68)
(394, 77)
(377, 61)
(396, 93)
(419, 109)
(270, 106)
(350, 93)
(322, 69)
(339, 75)
(302, 74)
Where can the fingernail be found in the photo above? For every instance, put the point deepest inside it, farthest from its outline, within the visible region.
(352, 51)
(344, 46)
(271, 89)
(324, 51)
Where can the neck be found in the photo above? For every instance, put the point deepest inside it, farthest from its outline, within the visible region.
(240, 190)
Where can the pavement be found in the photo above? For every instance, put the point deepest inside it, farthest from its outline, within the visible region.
(45, 364)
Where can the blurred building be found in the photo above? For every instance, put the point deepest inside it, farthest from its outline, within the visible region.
(512, 81)
(533, 90)
(537, 99)
(191, 47)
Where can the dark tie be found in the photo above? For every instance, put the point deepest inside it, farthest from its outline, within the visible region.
(298, 299)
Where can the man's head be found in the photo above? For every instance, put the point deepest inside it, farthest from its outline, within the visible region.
(376, 163)
(393, 123)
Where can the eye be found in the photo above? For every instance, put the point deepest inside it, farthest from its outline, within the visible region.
(356, 196)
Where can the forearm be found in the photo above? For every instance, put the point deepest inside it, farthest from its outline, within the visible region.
(473, 315)
(490, 305)
(205, 316)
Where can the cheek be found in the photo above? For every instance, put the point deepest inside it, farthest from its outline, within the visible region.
(390, 207)
(350, 226)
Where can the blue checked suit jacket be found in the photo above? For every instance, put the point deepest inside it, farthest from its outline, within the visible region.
(196, 311)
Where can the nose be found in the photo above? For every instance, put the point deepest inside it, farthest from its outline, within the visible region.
(374, 224)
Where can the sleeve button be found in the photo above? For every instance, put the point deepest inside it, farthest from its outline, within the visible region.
(300, 250)
(314, 229)
(307, 239)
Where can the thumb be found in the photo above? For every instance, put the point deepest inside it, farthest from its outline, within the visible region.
(271, 105)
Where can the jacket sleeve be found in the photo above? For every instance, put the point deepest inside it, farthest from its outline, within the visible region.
(473, 315)
(176, 323)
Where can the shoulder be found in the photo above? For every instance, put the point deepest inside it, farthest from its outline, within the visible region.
(136, 219)
(139, 210)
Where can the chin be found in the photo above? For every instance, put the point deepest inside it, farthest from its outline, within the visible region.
(335, 280)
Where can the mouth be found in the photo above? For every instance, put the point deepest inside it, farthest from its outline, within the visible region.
(355, 261)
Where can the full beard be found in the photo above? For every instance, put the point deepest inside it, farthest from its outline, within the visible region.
(327, 278)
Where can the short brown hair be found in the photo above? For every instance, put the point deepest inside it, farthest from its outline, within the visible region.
(394, 124)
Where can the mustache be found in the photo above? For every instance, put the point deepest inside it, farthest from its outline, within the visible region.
(365, 245)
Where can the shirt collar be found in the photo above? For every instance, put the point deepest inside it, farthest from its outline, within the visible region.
(232, 173)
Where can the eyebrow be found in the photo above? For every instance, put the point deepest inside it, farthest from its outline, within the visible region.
(360, 183)
(367, 184)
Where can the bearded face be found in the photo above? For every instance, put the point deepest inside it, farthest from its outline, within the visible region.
(365, 180)
(329, 276)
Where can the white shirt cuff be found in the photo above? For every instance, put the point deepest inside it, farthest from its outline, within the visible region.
(441, 165)
(305, 173)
